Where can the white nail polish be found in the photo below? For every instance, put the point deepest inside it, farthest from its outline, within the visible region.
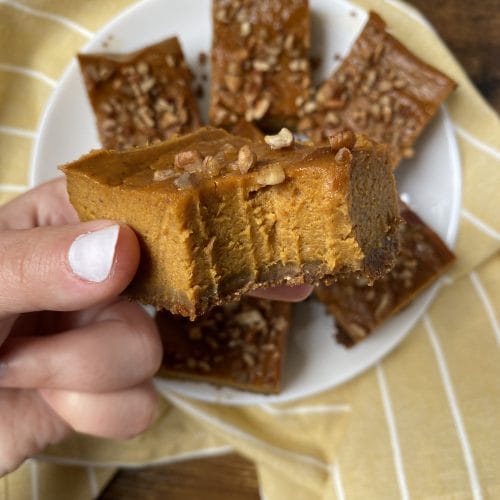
(91, 255)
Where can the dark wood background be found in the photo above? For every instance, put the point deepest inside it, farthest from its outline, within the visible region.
(472, 32)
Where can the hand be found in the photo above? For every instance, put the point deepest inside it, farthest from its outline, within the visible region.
(73, 355)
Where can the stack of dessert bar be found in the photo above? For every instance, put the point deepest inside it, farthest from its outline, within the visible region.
(261, 83)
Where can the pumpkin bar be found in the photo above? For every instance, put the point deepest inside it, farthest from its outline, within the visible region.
(142, 97)
(359, 308)
(239, 344)
(260, 62)
(219, 215)
(381, 89)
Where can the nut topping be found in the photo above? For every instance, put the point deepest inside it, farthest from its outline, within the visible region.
(344, 139)
(233, 82)
(283, 139)
(161, 175)
(270, 176)
(343, 156)
(245, 29)
(211, 166)
(190, 161)
(184, 181)
(246, 159)
(259, 110)
(357, 331)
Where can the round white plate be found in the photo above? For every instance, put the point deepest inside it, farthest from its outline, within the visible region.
(431, 181)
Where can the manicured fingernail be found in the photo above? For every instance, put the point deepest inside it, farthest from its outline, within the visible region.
(91, 255)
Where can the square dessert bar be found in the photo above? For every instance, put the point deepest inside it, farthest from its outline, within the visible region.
(218, 215)
(359, 308)
(382, 90)
(260, 62)
(241, 344)
(142, 97)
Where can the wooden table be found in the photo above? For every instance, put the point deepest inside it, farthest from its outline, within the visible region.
(471, 30)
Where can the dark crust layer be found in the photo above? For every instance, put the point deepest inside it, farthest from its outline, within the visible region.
(240, 345)
(360, 308)
(313, 277)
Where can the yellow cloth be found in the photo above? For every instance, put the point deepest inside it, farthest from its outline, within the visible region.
(423, 423)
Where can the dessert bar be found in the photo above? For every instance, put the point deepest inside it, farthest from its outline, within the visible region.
(381, 89)
(260, 62)
(218, 215)
(239, 344)
(142, 97)
(359, 308)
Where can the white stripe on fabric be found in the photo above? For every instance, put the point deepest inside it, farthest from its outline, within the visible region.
(455, 411)
(68, 23)
(306, 410)
(476, 221)
(337, 481)
(12, 188)
(476, 142)
(483, 295)
(393, 433)
(20, 132)
(34, 480)
(234, 431)
(32, 73)
(93, 486)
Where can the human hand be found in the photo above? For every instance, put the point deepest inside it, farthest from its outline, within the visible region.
(73, 355)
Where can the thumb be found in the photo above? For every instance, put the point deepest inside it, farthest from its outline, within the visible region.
(63, 268)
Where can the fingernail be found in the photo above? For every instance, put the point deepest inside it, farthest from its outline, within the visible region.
(91, 255)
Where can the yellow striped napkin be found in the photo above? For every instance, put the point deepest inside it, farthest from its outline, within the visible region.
(422, 423)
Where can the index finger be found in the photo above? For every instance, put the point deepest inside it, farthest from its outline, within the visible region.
(45, 205)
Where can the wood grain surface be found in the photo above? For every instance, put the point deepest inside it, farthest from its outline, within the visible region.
(472, 32)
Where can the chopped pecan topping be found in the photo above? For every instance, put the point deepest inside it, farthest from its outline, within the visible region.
(343, 139)
(343, 156)
(161, 175)
(211, 166)
(270, 176)
(246, 159)
(184, 181)
(283, 139)
(190, 161)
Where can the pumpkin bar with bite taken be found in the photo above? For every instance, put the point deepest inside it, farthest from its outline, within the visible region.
(260, 62)
(381, 89)
(359, 308)
(241, 344)
(141, 97)
(218, 215)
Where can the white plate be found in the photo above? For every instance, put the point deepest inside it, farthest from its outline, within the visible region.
(431, 181)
